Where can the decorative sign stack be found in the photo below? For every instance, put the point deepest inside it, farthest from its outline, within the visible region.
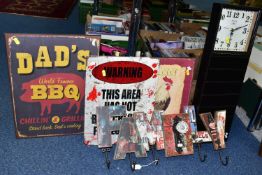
(61, 86)
(137, 102)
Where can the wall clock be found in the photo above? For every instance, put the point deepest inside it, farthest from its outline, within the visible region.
(228, 45)
(235, 30)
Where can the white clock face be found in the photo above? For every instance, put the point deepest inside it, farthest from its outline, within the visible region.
(235, 29)
(182, 127)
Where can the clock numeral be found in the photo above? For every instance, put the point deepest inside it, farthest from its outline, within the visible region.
(222, 17)
(229, 14)
(242, 42)
(244, 31)
(235, 44)
(243, 15)
(247, 18)
(236, 14)
(221, 43)
(217, 40)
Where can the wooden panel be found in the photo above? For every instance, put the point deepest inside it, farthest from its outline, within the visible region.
(218, 100)
(225, 62)
(225, 75)
(222, 88)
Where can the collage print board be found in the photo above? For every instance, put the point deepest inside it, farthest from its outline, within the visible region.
(58, 83)
(113, 81)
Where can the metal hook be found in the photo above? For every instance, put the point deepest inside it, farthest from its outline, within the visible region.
(132, 163)
(154, 154)
(105, 151)
(221, 160)
(201, 158)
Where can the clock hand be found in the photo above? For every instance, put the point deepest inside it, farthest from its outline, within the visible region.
(239, 28)
(228, 39)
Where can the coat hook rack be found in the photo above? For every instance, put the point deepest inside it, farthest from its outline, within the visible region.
(105, 151)
(201, 158)
(223, 162)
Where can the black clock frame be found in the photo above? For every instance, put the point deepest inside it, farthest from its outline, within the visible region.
(221, 73)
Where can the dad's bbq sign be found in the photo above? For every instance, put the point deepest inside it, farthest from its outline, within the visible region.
(47, 75)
